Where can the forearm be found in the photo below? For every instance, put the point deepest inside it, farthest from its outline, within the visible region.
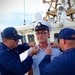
(43, 63)
(50, 68)
(23, 47)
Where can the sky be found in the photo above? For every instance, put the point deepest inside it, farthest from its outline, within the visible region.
(12, 11)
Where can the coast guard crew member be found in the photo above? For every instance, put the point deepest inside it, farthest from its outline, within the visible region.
(42, 29)
(10, 63)
(64, 64)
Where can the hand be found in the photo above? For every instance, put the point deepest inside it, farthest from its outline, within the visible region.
(54, 44)
(31, 44)
(34, 51)
(48, 50)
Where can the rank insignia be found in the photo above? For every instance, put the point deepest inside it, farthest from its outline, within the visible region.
(39, 24)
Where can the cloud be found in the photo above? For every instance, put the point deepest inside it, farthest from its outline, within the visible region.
(33, 6)
(9, 6)
(12, 11)
(2, 26)
(15, 19)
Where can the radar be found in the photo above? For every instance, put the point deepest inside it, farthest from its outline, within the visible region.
(36, 17)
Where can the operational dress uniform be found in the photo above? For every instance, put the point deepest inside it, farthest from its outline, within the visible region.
(10, 63)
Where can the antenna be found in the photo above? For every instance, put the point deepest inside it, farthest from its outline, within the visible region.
(24, 13)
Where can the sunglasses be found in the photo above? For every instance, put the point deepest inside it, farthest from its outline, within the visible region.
(15, 39)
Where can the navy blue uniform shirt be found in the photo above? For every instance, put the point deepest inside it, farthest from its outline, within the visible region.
(10, 63)
(64, 64)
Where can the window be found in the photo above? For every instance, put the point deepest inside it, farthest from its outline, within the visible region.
(56, 37)
(30, 37)
(23, 40)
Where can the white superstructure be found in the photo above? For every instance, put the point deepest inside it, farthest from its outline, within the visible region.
(60, 14)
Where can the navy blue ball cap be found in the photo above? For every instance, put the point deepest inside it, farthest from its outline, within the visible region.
(67, 33)
(10, 32)
(42, 25)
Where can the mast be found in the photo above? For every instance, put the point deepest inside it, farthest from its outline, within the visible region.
(54, 5)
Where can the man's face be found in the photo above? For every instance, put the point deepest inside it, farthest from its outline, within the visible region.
(42, 36)
(61, 43)
(11, 43)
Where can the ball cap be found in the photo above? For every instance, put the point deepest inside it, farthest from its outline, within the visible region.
(67, 33)
(42, 25)
(10, 32)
